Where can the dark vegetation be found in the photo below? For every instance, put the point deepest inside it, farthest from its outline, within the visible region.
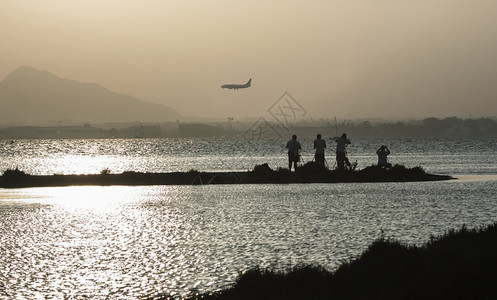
(458, 265)
(428, 127)
(308, 173)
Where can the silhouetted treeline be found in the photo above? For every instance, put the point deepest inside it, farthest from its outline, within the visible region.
(429, 127)
(451, 126)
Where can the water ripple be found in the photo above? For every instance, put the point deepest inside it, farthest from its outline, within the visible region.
(132, 242)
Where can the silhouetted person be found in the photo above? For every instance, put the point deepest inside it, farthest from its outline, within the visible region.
(342, 143)
(383, 152)
(293, 147)
(319, 145)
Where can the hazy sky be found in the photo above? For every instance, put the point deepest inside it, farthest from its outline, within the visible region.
(349, 59)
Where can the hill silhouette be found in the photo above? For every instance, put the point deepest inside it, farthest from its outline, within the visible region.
(29, 96)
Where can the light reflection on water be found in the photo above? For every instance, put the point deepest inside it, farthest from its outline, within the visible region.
(47, 157)
(129, 242)
(126, 242)
(91, 241)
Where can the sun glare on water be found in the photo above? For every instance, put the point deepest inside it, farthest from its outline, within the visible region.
(82, 198)
(94, 240)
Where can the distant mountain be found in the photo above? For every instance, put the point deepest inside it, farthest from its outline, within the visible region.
(29, 96)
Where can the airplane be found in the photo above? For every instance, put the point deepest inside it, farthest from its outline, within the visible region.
(237, 86)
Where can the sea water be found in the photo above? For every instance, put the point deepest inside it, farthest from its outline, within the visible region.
(132, 242)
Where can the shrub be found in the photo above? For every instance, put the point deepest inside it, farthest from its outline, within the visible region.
(14, 173)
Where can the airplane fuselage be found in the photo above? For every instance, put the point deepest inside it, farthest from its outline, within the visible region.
(237, 86)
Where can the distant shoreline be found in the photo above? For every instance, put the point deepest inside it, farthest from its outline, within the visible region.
(261, 174)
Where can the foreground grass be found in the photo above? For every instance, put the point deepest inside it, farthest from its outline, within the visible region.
(458, 265)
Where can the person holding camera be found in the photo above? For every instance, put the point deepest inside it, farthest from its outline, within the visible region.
(382, 153)
(319, 145)
(341, 152)
(293, 147)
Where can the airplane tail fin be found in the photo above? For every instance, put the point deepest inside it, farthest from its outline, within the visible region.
(249, 82)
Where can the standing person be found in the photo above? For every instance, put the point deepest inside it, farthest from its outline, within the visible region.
(342, 143)
(293, 147)
(319, 145)
(383, 152)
